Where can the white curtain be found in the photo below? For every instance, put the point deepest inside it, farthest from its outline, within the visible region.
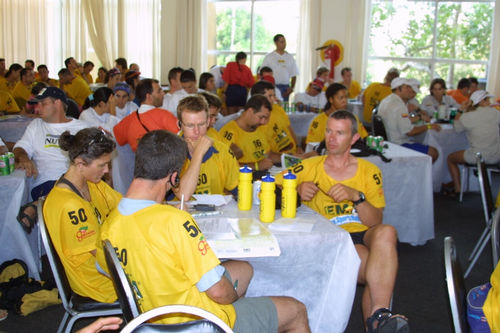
(190, 26)
(74, 31)
(141, 33)
(25, 32)
(102, 26)
(308, 40)
(493, 84)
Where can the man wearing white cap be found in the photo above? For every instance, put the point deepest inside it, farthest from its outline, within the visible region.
(398, 124)
(480, 124)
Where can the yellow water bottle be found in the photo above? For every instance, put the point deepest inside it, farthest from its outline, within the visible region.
(267, 199)
(289, 195)
(245, 189)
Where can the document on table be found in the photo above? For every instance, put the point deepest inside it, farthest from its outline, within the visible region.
(238, 237)
(211, 199)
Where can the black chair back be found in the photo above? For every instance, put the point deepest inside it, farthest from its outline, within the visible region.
(123, 288)
(485, 187)
(378, 127)
(456, 286)
(56, 265)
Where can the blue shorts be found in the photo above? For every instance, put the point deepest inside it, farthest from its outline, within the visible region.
(236, 95)
(417, 146)
(475, 315)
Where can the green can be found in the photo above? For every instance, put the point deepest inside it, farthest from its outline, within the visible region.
(4, 165)
(379, 143)
(369, 141)
(11, 161)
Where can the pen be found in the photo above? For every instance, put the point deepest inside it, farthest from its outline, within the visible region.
(317, 185)
(182, 202)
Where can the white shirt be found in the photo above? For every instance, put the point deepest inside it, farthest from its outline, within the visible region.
(431, 105)
(318, 101)
(127, 109)
(394, 113)
(41, 143)
(215, 71)
(171, 103)
(106, 121)
(283, 66)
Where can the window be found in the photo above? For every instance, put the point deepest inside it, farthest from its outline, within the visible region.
(249, 26)
(429, 39)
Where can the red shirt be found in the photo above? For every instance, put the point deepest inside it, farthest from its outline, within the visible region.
(238, 74)
(129, 129)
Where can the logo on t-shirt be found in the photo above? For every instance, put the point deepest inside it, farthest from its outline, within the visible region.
(51, 141)
(84, 233)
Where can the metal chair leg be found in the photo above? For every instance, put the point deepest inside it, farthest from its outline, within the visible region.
(485, 233)
(471, 265)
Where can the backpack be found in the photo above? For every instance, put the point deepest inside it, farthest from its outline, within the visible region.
(22, 294)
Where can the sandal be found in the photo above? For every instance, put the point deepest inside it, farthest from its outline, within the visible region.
(387, 322)
(27, 221)
(3, 314)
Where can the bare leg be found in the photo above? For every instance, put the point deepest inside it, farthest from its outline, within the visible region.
(292, 315)
(454, 159)
(241, 273)
(432, 152)
(380, 267)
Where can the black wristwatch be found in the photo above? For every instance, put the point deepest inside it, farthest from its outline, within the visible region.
(361, 199)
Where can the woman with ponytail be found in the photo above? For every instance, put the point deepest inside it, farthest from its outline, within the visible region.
(336, 96)
(77, 206)
(97, 109)
(237, 79)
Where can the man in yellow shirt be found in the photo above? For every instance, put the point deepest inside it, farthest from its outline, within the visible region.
(22, 90)
(43, 76)
(167, 257)
(279, 130)
(7, 102)
(210, 167)
(376, 92)
(88, 66)
(353, 87)
(74, 86)
(348, 191)
(247, 137)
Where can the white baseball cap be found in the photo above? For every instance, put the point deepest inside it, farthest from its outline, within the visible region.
(398, 82)
(414, 84)
(478, 95)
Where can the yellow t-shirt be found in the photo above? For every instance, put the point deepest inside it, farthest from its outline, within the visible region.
(164, 254)
(374, 93)
(213, 134)
(21, 93)
(491, 306)
(88, 78)
(5, 86)
(78, 90)
(317, 128)
(255, 145)
(368, 179)
(218, 172)
(73, 224)
(7, 102)
(278, 131)
(354, 89)
(50, 82)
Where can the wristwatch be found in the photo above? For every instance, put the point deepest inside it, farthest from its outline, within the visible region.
(361, 199)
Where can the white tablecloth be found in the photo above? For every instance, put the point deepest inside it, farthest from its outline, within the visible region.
(15, 243)
(12, 128)
(446, 142)
(409, 205)
(319, 268)
(123, 168)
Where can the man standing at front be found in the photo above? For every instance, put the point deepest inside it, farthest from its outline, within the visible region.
(284, 68)
(348, 191)
(168, 259)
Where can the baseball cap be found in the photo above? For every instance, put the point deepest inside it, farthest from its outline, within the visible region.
(132, 74)
(398, 82)
(415, 85)
(317, 84)
(114, 71)
(268, 78)
(122, 86)
(478, 95)
(51, 92)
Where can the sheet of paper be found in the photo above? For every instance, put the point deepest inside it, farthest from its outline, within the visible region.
(292, 225)
(211, 199)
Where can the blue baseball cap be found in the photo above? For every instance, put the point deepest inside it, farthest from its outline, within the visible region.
(51, 92)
